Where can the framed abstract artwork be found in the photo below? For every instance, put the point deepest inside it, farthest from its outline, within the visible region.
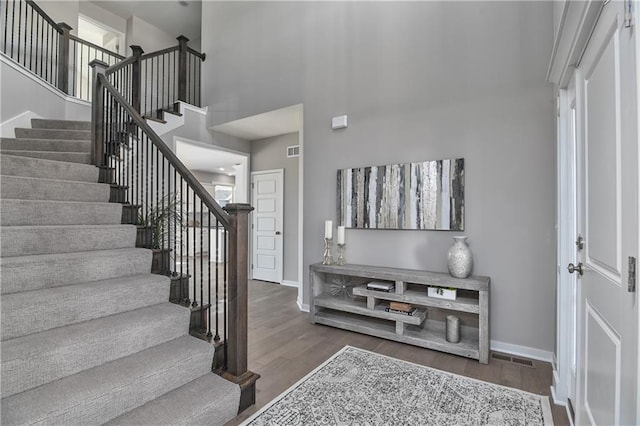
(425, 196)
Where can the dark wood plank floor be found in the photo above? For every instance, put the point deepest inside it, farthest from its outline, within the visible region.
(284, 347)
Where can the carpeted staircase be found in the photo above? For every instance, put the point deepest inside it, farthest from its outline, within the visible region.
(88, 335)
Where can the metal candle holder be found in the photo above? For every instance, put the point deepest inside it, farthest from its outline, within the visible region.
(328, 257)
(341, 260)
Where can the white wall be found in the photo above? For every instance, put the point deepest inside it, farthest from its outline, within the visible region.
(419, 81)
(149, 37)
(24, 92)
(270, 154)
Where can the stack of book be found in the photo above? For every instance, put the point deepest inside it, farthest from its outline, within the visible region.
(381, 286)
(401, 308)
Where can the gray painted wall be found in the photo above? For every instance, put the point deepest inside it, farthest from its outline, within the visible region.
(270, 154)
(218, 178)
(419, 81)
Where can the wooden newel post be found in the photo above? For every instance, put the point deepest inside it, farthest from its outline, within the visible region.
(97, 114)
(182, 68)
(136, 79)
(63, 57)
(237, 310)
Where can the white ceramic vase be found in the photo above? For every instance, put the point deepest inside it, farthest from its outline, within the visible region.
(459, 258)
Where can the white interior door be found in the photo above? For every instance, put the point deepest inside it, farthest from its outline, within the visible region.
(267, 241)
(608, 221)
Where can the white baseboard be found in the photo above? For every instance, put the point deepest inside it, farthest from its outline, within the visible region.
(7, 127)
(523, 351)
(289, 283)
(302, 306)
(554, 398)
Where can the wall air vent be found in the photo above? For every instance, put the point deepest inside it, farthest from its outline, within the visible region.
(293, 151)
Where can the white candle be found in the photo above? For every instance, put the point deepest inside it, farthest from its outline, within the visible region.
(328, 228)
(340, 234)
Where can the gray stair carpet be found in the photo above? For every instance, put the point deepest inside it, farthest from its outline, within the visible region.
(87, 333)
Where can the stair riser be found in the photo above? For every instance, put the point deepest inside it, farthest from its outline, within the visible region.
(110, 390)
(45, 145)
(39, 123)
(31, 240)
(21, 188)
(28, 212)
(47, 169)
(191, 404)
(31, 312)
(75, 135)
(36, 272)
(70, 157)
(27, 363)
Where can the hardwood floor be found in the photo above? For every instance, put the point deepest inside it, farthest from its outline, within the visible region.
(284, 347)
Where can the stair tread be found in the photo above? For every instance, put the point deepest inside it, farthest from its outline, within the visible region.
(43, 357)
(109, 390)
(46, 161)
(51, 270)
(43, 239)
(42, 123)
(67, 157)
(45, 145)
(39, 133)
(17, 165)
(78, 302)
(15, 212)
(38, 188)
(205, 400)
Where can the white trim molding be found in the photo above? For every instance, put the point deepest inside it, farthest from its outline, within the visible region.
(288, 283)
(302, 306)
(522, 351)
(7, 127)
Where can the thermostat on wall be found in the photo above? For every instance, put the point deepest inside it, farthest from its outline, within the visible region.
(339, 122)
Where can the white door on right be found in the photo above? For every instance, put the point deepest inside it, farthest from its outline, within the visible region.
(607, 352)
(268, 202)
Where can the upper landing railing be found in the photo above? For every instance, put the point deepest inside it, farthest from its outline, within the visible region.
(49, 50)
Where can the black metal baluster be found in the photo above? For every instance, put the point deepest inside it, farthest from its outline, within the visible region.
(56, 44)
(13, 25)
(175, 222)
(30, 41)
(156, 88)
(195, 274)
(217, 254)
(209, 334)
(74, 90)
(183, 231)
(224, 301)
(162, 86)
(165, 246)
(19, 29)
(6, 27)
(202, 305)
(187, 241)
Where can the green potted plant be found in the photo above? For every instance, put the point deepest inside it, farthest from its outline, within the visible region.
(157, 229)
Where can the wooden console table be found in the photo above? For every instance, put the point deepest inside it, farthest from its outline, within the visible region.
(341, 299)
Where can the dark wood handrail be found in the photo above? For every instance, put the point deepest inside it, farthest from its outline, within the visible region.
(160, 52)
(117, 67)
(196, 53)
(44, 15)
(207, 199)
(95, 46)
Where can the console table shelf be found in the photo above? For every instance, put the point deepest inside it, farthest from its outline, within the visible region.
(356, 308)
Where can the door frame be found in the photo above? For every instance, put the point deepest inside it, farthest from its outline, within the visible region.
(280, 241)
(566, 213)
(575, 25)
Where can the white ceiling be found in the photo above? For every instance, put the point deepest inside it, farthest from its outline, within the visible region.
(273, 123)
(203, 159)
(169, 15)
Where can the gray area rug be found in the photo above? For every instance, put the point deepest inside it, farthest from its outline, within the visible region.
(358, 387)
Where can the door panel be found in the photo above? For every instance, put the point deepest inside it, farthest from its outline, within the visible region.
(608, 219)
(267, 225)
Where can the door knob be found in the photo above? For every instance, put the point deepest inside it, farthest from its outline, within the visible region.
(573, 268)
(277, 232)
